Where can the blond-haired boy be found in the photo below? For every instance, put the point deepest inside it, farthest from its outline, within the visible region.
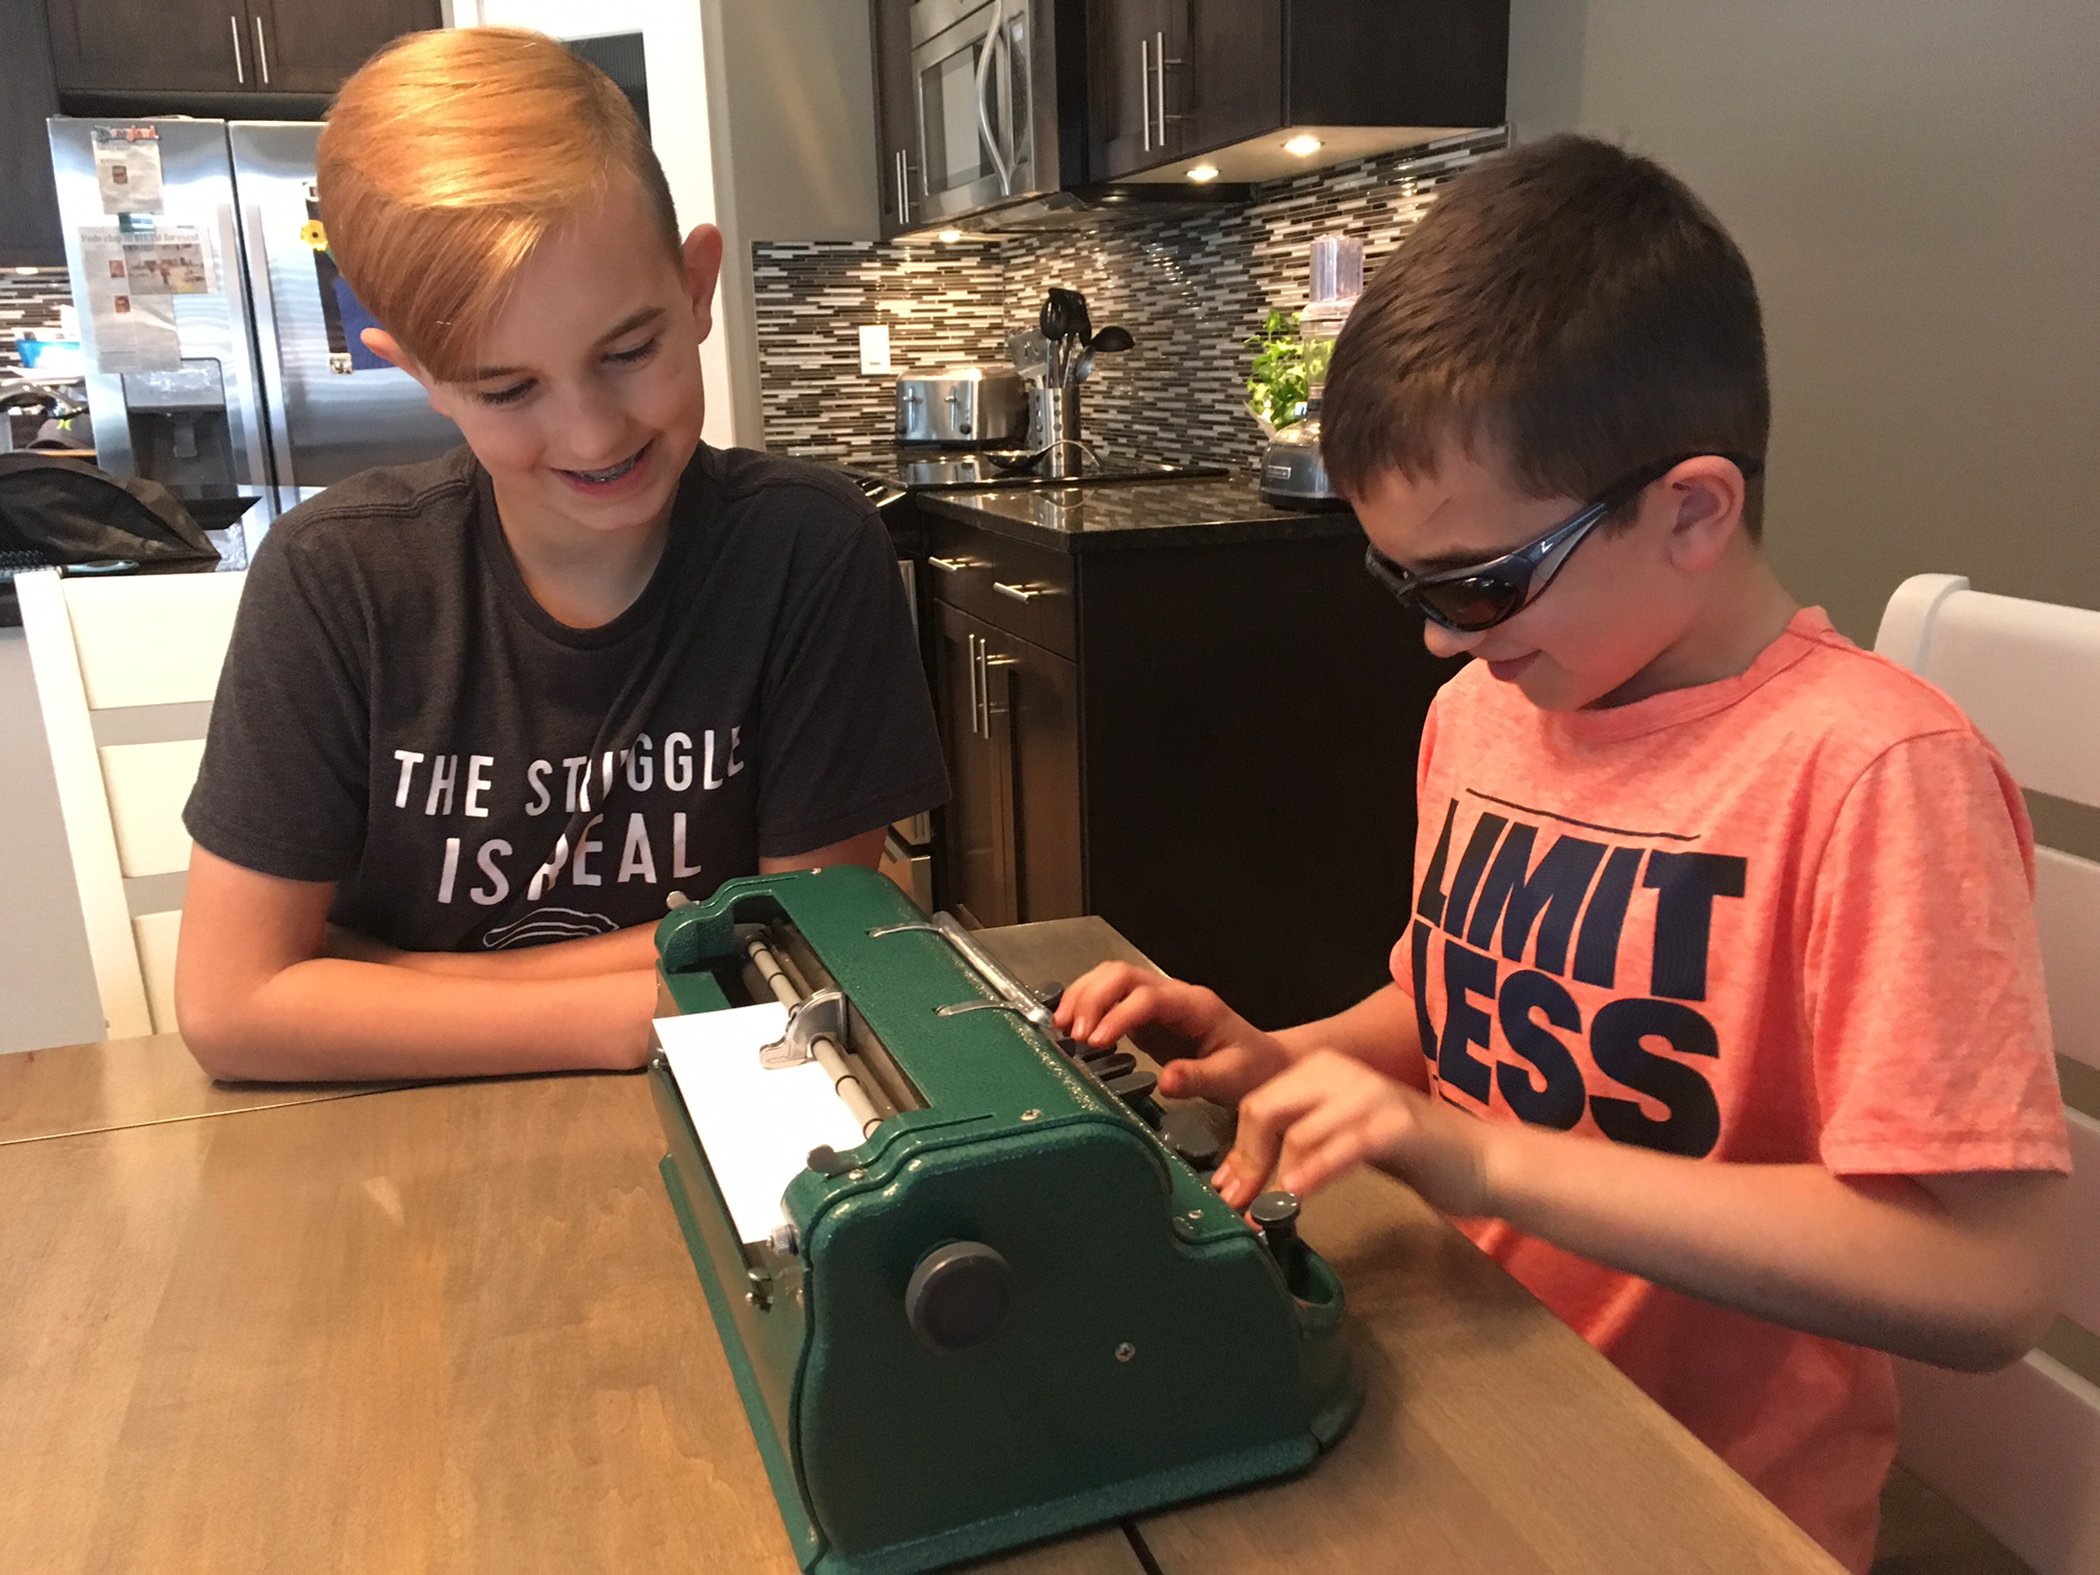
(481, 716)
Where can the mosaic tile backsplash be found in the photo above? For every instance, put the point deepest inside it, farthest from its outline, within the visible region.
(29, 300)
(1191, 287)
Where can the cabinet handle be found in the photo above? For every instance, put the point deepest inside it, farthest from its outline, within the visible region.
(973, 686)
(987, 661)
(1145, 90)
(240, 69)
(1023, 592)
(951, 565)
(1160, 62)
(903, 187)
(262, 50)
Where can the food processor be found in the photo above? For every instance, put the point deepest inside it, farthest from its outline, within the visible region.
(1293, 476)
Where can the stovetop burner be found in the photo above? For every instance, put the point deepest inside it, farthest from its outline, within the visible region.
(934, 470)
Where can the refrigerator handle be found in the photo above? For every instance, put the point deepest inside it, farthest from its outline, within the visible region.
(240, 69)
(262, 50)
(267, 350)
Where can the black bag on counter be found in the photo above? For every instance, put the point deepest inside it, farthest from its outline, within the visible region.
(70, 512)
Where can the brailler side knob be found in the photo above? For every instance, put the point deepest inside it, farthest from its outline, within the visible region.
(958, 1296)
(1276, 1213)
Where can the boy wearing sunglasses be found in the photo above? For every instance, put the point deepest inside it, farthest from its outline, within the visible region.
(1719, 1020)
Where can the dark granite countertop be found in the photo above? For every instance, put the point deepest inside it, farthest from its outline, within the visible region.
(1138, 515)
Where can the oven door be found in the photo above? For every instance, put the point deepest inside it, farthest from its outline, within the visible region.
(972, 63)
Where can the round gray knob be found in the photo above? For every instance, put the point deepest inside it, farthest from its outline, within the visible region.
(1277, 1215)
(958, 1296)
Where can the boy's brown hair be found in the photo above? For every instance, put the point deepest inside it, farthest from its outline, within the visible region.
(447, 158)
(1567, 311)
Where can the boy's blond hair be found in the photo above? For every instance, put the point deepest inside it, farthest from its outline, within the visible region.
(449, 156)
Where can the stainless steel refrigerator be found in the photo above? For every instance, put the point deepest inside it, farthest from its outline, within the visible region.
(221, 346)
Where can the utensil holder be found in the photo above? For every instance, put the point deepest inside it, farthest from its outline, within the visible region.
(1056, 427)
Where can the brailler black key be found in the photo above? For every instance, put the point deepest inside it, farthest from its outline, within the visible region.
(1148, 1111)
(1276, 1213)
(1190, 1136)
(1112, 1066)
(1072, 1048)
(1133, 1085)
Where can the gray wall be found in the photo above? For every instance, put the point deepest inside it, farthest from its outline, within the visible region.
(1915, 184)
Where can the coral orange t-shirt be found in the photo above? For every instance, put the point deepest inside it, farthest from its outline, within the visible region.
(1784, 918)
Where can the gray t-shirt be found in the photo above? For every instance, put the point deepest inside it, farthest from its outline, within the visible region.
(398, 715)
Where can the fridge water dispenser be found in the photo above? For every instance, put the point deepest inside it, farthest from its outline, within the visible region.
(179, 431)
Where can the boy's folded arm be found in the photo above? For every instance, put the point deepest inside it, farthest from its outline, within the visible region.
(1957, 1270)
(622, 951)
(257, 999)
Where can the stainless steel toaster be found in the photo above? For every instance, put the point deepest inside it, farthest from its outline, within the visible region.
(975, 406)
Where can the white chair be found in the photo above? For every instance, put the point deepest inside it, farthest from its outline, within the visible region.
(125, 669)
(2020, 1450)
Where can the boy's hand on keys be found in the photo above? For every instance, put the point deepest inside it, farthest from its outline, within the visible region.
(1328, 1112)
(1206, 1050)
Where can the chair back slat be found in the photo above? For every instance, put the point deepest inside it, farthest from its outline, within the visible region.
(159, 639)
(148, 785)
(2067, 905)
(2026, 673)
(2081, 1265)
(156, 934)
(2019, 1450)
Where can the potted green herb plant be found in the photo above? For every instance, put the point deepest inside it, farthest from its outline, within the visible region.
(1276, 386)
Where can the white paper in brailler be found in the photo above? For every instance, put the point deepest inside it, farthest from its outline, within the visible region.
(756, 1124)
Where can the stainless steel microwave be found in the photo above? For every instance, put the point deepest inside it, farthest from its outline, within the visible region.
(1000, 127)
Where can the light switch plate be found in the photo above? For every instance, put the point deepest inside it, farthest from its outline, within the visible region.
(874, 347)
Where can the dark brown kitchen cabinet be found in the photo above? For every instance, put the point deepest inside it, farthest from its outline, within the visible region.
(1127, 40)
(177, 46)
(1211, 746)
(29, 232)
(143, 48)
(311, 46)
(1168, 77)
(1010, 727)
(1171, 79)
(898, 177)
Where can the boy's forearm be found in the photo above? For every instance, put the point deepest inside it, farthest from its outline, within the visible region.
(622, 951)
(1379, 1030)
(335, 1020)
(1877, 1261)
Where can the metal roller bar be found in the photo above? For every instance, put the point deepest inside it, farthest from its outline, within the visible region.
(838, 1064)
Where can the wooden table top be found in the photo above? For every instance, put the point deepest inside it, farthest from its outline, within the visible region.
(453, 1326)
(130, 1083)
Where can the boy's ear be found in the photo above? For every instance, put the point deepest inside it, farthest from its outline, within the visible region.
(1706, 494)
(388, 348)
(701, 258)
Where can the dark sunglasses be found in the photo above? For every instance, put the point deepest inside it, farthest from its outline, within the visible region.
(1479, 597)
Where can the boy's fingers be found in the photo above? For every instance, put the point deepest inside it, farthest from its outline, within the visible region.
(1306, 1170)
(1086, 996)
(1265, 1116)
(1145, 1004)
(1220, 1077)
